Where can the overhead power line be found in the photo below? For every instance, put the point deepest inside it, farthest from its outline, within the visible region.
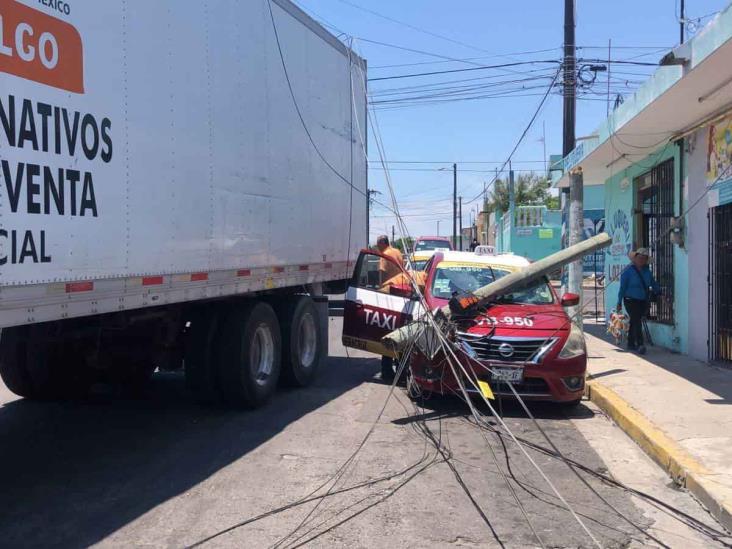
(523, 134)
(474, 93)
(474, 83)
(436, 84)
(450, 71)
(618, 62)
(440, 170)
(466, 59)
(458, 161)
(515, 64)
(414, 27)
(655, 49)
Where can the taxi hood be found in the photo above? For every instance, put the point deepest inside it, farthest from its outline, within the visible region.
(517, 317)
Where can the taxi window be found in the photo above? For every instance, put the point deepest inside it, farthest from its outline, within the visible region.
(455, 277)
(367, 273)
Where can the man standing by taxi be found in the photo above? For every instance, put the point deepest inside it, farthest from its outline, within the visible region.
(388, 270)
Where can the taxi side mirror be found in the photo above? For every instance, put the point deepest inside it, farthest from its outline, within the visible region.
(570, 300)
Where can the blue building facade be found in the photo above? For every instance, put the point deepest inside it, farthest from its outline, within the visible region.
(664, 161)
(534, 232)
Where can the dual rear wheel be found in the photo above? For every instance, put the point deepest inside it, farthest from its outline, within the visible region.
(239, 353)
(235, 353)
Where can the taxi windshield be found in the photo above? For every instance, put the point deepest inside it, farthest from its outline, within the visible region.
(456, 277)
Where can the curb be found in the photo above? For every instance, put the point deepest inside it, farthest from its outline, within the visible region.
(675, 460)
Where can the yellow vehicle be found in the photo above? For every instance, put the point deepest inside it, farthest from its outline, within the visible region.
(419, 259)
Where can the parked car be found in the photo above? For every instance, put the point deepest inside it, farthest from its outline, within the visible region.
(525, 338)
(424, 243)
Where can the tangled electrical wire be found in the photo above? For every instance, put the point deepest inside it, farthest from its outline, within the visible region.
(321, 520)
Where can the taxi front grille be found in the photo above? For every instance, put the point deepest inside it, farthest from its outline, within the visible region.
(508, 349)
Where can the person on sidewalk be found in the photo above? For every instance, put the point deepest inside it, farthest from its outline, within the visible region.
(637, 287)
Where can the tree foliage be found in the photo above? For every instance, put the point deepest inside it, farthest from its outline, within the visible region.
(399, 244)
(530, 189)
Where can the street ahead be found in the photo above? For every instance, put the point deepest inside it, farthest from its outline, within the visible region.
(159, 471)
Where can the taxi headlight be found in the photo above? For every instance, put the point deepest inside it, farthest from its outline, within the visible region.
(575, 344)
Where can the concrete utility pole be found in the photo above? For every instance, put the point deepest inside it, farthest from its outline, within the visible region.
(570, 100)
(369, 194)
(438, 228)
(570, 79)
(576, 226)
(511, 198)
(682, 22)
(461, 223)
(368, 216)
(392, 234)
(574, 207)
(400, 338)
(486, 216)
(454, 204)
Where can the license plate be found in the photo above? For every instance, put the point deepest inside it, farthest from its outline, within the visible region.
(514, 375)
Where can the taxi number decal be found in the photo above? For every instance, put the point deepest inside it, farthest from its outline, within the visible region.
(509, 320)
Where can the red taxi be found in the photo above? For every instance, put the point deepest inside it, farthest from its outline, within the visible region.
(525, 338)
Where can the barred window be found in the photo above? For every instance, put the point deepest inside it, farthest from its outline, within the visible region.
(654, 216)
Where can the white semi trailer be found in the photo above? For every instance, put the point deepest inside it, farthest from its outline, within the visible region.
(177, 181)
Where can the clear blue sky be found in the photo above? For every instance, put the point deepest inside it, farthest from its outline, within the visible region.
(485, 130)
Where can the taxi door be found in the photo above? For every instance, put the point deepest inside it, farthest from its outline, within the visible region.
(375, 307)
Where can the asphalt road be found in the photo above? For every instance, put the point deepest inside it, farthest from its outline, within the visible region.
(160, 471)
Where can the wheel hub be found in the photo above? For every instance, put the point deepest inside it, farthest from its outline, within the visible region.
(307, 340)
(261, 354)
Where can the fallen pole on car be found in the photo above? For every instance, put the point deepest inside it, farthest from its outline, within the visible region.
(400, 338)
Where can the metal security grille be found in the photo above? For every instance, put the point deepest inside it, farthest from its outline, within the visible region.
(720, 283)
(655, 210)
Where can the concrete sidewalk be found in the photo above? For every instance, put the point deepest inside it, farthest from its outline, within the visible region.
(677, 409)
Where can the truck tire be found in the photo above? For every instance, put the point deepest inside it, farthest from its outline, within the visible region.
(36, 365)
(249, 353)
(198, 359)
(13, 368)
(301, 339)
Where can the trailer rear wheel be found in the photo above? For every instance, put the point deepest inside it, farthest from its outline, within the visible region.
(249, 354)
(302, 341)
(198, 358)
(13, 362)
(35, 363)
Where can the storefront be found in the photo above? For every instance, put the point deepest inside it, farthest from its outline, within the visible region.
(664, 158)
(714, 147)
(642, 202)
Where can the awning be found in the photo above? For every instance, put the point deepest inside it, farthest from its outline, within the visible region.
(668, 106)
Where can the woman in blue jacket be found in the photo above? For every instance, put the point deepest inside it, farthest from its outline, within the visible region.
(637, 285)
